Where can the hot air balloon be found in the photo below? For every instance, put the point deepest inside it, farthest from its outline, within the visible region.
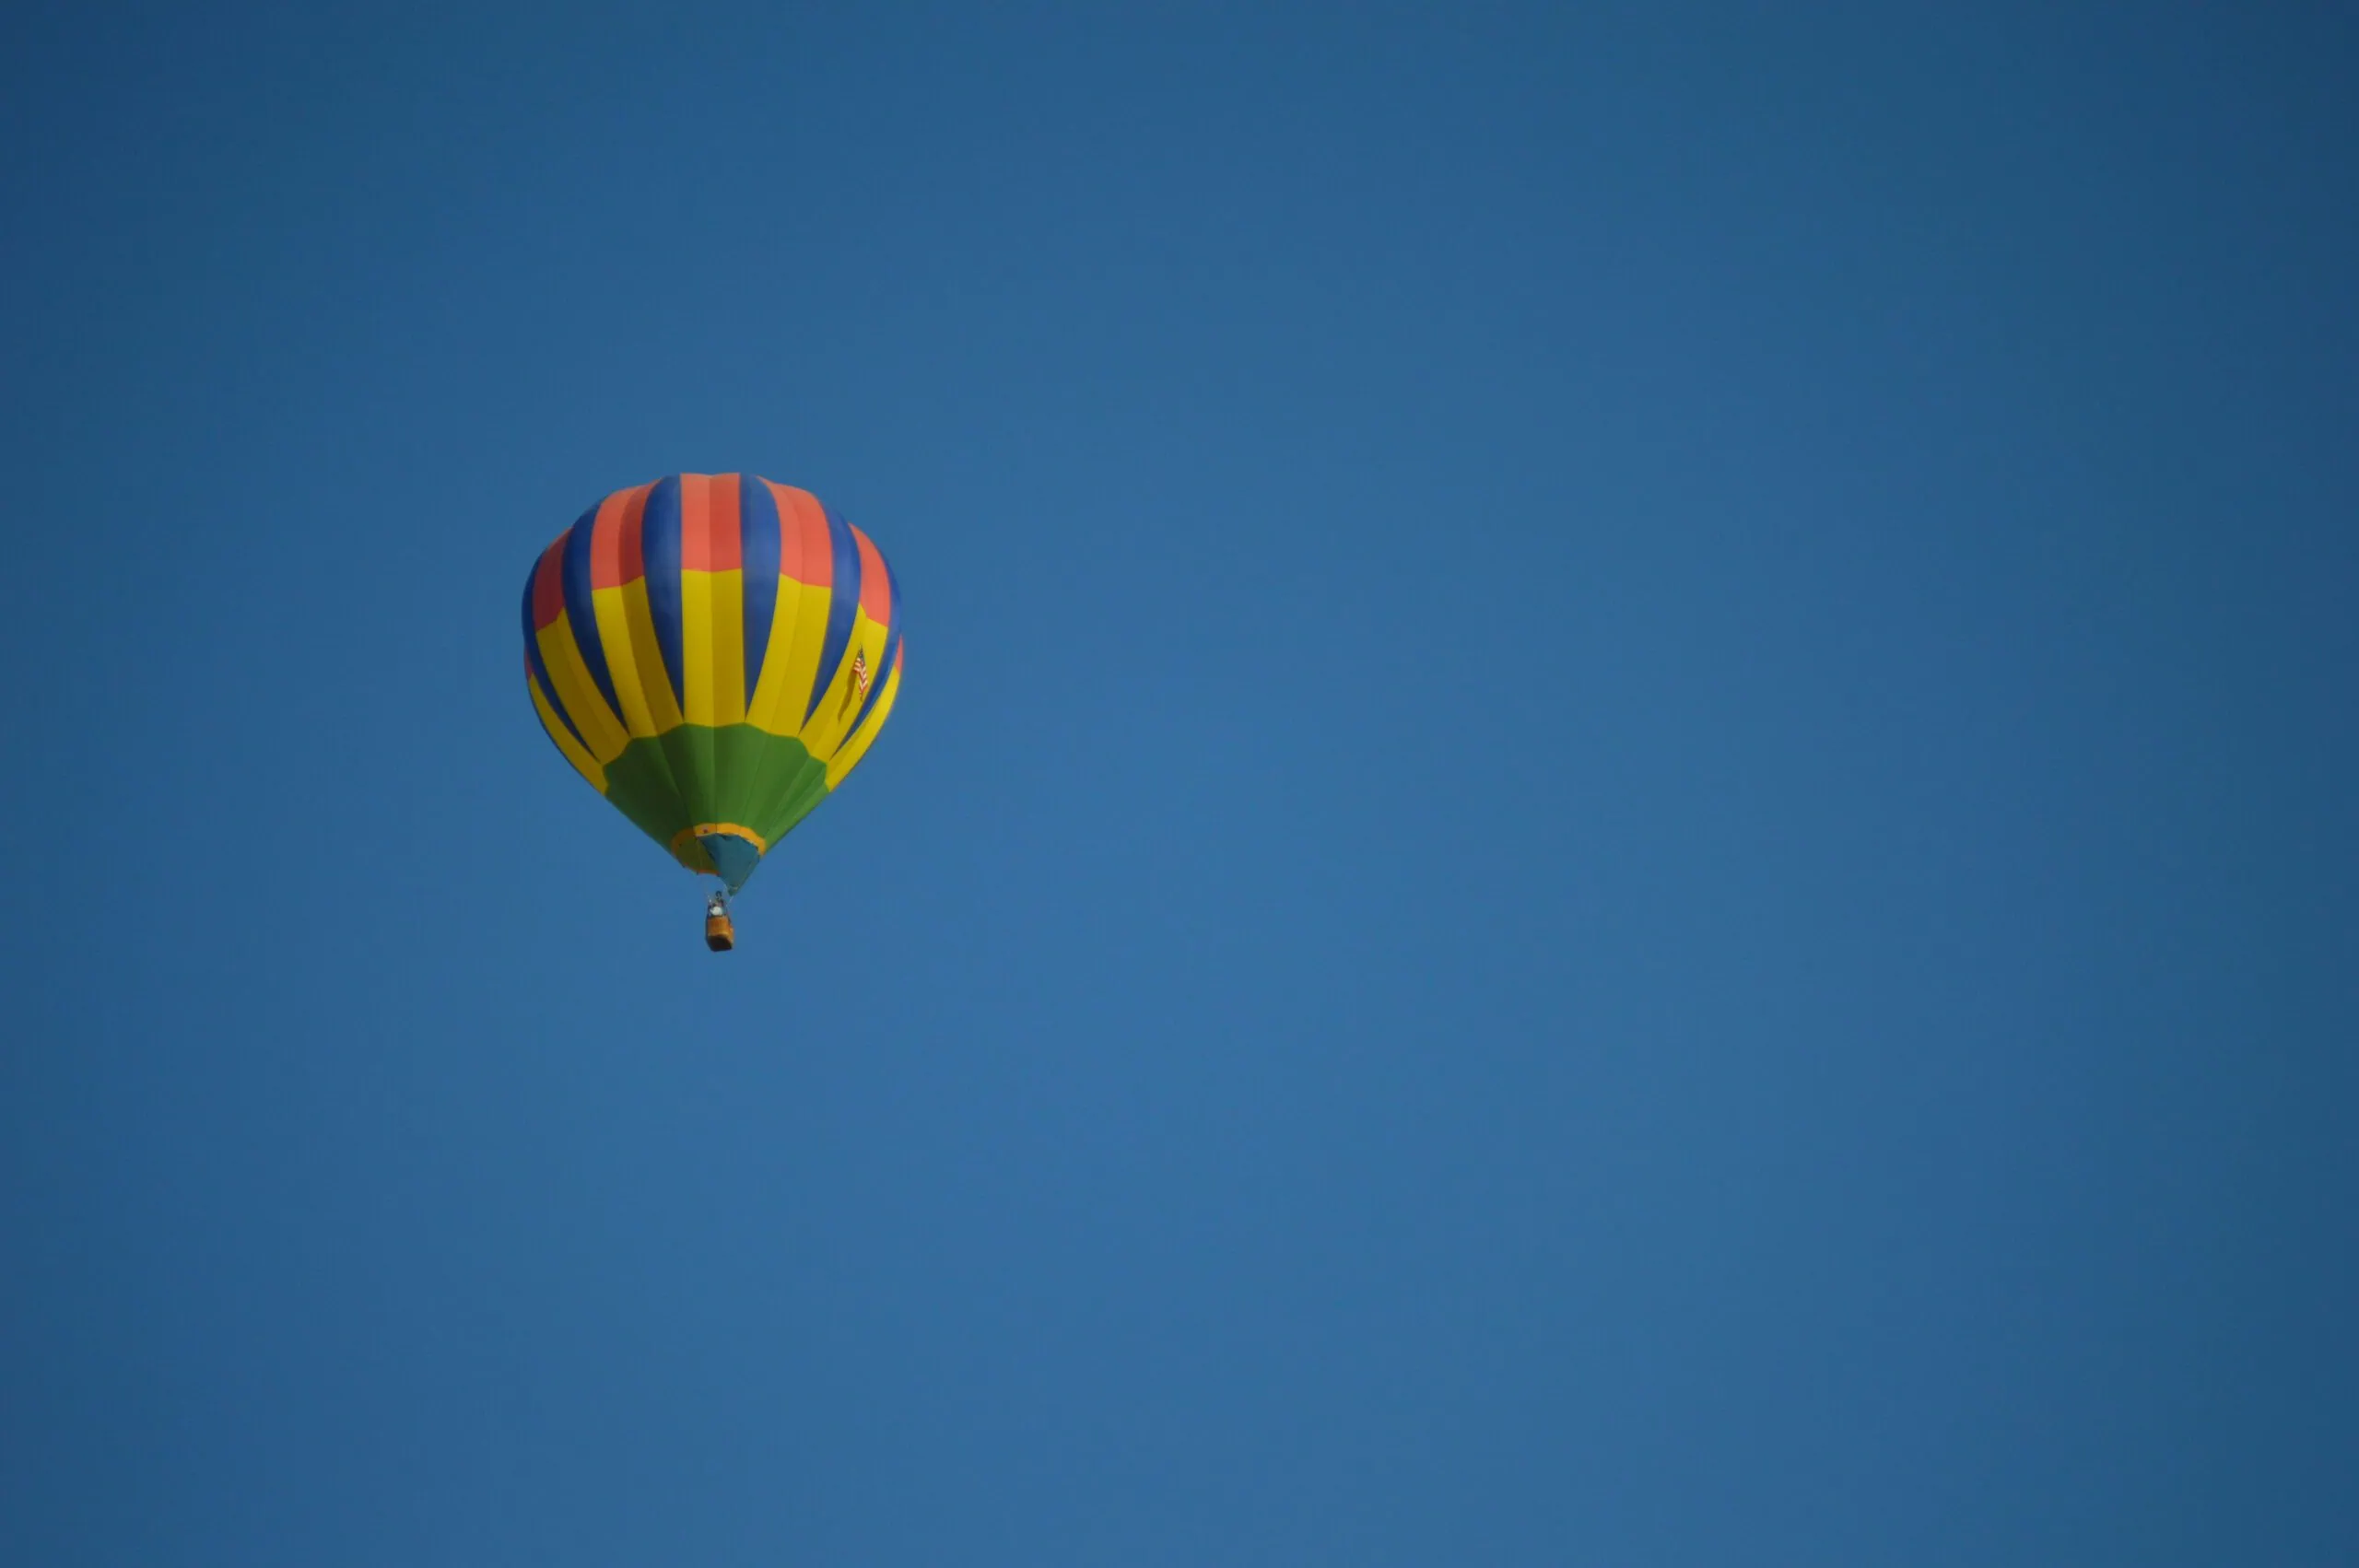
(715, 653)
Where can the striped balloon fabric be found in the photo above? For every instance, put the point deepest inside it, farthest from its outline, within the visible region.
(713, 653)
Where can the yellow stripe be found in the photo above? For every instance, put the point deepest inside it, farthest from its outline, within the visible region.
(798, 632)
(583, 763)
(857, 746)
(712, 646)
(637, 648)
(613, 636)
(600, 729)
(834, 716)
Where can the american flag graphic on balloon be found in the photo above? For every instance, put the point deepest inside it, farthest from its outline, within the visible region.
(859, 683)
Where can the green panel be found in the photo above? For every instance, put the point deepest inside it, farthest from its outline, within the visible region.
(639, 784)
(749, 764)
(697, 774)
(662, 784)
(782, 786)
(686, 750)
(809, 789)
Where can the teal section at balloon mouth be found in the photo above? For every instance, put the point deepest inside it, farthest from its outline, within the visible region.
(733, 859)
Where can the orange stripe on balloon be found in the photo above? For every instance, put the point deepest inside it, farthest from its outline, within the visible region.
(727, 536)
(614, 542)
(875, 587)
(548, 584)
(805, 553)
(694, 514)
(709, 522)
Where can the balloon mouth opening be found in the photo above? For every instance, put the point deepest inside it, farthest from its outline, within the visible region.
(720, 849)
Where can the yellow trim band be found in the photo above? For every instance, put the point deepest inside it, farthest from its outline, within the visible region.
(680, 839)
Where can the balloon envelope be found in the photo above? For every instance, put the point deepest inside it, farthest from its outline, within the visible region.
(713, 653)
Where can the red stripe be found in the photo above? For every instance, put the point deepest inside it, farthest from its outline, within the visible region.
(634, 556)
(614, 542)
(727, 525)
(708, 527)
(548, 584)
(695, 517)
(875, 587)
(805, 553)
(790, 536)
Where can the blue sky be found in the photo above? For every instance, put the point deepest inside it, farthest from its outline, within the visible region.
(1620, 831)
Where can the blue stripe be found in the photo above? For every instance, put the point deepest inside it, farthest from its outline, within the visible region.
(758, 552)
(540, 670)
(659, 546)
(892, 648)
(581, 611)
(840, 609)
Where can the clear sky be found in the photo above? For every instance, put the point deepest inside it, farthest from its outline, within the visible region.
(1622, 831)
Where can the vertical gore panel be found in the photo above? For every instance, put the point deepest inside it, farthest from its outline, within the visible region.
(542, 687)
(712, 647)
(757, 549)
(875, 586)
(709, 522)
(630, 537)
(855, 748)
(546, 600)
(580, 608)
(696, 600)
(638, 629)
(799, 619)
(890, 660)
(660, 553)
(843, 554)
(614, 578)
(569, 744)
(614, 549)
(810, 551)
(601, 727)
(592, 717)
